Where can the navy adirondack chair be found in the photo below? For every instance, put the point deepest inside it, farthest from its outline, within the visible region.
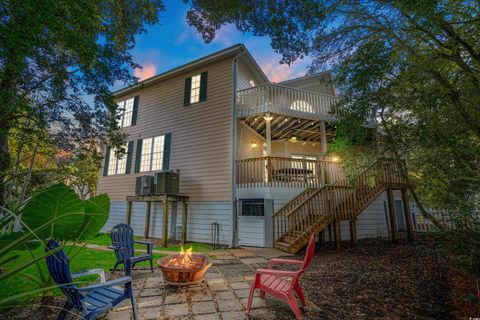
(122, 243)
(93, 300)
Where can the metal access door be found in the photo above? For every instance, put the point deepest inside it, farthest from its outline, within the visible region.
(255, 222)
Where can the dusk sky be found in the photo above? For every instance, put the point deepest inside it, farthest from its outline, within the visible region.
(173, 42)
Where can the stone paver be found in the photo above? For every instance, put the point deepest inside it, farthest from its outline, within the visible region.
(203, 307)
(174, 298)
(223, 295)
(176, 310)
(229, 305)
(211, 316)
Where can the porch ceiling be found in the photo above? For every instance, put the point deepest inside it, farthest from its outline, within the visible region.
(285, 127)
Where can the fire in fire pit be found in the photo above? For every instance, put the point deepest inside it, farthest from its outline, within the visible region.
(184, 268)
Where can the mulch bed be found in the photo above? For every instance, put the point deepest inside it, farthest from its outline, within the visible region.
(380, 280)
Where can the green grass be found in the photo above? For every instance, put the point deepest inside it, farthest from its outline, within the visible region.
(85, 259)
(104, 239)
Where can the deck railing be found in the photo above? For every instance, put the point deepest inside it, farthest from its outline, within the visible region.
(285, 100)
(287, 173)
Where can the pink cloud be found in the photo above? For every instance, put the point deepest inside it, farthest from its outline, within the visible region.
(277, 72)
(147, 71)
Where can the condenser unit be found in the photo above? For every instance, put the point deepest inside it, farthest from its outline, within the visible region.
(167, 182)
(144, 186)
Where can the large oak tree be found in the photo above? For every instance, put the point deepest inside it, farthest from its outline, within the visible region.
(56, 53)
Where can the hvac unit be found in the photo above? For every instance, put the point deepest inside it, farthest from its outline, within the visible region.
(167, 182)
(144, 186)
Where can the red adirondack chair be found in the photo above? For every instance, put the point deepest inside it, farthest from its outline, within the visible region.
(282, 284)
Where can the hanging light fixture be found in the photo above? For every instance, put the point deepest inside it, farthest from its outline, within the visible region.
(293, 139)
(268, 118)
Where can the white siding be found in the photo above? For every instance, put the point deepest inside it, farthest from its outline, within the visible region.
(201, 215)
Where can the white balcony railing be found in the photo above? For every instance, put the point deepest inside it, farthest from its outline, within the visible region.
(284, 100)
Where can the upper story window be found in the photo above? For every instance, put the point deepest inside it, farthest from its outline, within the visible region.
(125, 113)
(195, 89)
(152, 154)
(117, 164)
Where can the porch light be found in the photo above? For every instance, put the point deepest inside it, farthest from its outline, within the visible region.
(304, 143)
(254, 144)
(314, 144)
(268, 118)
(294, 139)
(336, 159)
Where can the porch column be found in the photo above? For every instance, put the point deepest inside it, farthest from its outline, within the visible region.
(268, 132)
(147, 219)
(323, 135)
(391, 214)
(353, 232)
(128, 216)
(337, 233)
(165, 222)
(408, 215)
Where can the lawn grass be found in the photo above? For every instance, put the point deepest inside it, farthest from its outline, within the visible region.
(104, 239)
(80, 259)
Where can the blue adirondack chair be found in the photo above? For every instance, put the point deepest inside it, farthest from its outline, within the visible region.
(122, 243)
(93, 300)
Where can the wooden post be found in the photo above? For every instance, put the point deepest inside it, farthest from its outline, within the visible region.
(323, 137)
(184, 221)
(391, 214)
(128, 216)
(147, 219)
(337, 233)
(353, 232)
(408, 215)
(268, 134)
(330, 236)
(165, 222)
(322, 237)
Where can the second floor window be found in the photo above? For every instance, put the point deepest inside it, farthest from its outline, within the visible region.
(117, 164)
(125, 113)
(195, 89)
(152, 154)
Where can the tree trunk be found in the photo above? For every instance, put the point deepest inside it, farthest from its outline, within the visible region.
(29, 175)
(4, 160)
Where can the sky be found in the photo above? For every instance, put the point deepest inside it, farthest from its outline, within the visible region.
(172, 42)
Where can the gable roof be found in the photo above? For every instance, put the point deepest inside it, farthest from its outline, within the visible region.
(236, 50)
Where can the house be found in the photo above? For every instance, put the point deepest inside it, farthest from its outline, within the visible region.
(250, 155)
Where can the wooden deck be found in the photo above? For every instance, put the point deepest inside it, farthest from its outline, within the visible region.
(293, 102)
(287, 173)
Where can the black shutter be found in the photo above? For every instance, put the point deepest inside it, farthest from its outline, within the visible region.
(166, 151)
(186, 94)
(138, 156)
(107, 159)
(129, 157)
(203, 86)
(135, 110)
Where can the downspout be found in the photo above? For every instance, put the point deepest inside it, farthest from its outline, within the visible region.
(233, 242)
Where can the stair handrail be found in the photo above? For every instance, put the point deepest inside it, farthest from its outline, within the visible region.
(352, 206)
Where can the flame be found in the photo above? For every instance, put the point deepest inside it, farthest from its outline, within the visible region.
(184, 259)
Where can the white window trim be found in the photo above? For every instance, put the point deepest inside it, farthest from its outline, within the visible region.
(122, 110)
(195, 90)
(115, 162)
(151, 154)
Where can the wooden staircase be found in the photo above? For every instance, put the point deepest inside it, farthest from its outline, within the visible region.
(314, 209)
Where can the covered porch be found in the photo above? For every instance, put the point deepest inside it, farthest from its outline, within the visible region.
(282, 138)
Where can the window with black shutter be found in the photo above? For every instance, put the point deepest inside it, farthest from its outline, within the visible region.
(195, 89)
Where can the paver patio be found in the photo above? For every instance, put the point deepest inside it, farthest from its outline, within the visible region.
(223, 295)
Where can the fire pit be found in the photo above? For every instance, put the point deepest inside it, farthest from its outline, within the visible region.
(184, 268)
